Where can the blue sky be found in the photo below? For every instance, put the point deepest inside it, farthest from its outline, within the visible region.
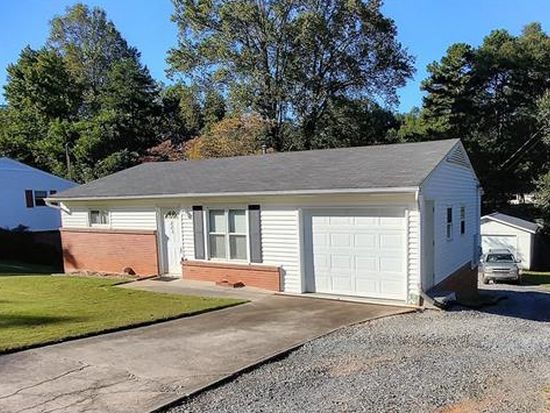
(426, 28)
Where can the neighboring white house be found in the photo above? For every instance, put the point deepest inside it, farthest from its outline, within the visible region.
(381, 221)
(500, 231)
(23, 190)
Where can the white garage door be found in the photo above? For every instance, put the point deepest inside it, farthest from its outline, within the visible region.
(499, 242)
(360, 253)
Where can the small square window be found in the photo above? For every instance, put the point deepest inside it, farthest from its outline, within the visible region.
(40, 198)
(99, 217)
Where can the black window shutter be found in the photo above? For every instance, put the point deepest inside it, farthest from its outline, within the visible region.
(198, 232)
(255, 237)
(29, 198)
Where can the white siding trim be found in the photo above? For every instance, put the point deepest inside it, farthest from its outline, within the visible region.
(187, 233)
(413, 256)
(281, 243)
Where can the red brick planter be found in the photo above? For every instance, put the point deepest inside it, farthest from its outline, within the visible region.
(253, 275)
(110, 251)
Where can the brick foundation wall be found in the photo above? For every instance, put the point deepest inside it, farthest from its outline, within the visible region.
(260, 276)
(463, 282)
(105, 250)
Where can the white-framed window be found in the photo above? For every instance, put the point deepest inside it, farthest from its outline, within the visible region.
(98, 217)
(462, 220)
(227, 234)
(449, 223)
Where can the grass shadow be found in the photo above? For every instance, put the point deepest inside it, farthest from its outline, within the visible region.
(21, 320)
(536, 279)
(8, 268)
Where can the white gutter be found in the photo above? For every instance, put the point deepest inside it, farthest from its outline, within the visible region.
(259, 193)
(56, 205)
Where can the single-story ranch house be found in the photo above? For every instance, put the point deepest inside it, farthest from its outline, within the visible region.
(383, 222)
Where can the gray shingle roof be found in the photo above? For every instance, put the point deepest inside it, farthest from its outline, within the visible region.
(367, 167)
(514, 221)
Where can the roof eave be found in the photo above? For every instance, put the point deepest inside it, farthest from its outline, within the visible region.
(405, 189)
(500, 221)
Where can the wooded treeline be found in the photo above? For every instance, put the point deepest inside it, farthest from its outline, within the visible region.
(281, 75)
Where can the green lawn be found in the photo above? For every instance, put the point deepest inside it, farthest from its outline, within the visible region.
(536, 278)
(44, 309)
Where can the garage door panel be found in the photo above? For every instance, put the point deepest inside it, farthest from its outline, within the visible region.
(367, 241)
(489, 242)
(391, 222)
(341, 263)
(320, 240)
(340, 240)
(391, 264)
(391, 241)
(321, 261)
(366, 284)
(366, 221)
(358, 252)
(337, 220)
(365, 265)
(342, 284)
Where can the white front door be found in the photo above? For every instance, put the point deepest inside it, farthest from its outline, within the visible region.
(357, 252)
(171, 241)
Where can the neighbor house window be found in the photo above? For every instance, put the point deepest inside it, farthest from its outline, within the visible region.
(449, 228)
(99, 217)
(40, 198)
(462, 220)
(227, 234)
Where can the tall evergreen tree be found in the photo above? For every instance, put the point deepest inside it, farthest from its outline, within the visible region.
(487, 96)
(85, 98)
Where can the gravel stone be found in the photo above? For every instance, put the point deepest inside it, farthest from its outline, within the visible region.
(496, 359)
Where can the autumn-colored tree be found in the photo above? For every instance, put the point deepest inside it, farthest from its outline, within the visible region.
(232, 136)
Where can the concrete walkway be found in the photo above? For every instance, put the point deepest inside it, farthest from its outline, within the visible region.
(144, 368)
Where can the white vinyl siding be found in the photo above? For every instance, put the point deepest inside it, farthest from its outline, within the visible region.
(281, 243)
(119, 217)
(453, 186)
(76, 218)
(133, 218)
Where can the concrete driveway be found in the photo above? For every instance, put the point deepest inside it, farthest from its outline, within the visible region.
(142, 369)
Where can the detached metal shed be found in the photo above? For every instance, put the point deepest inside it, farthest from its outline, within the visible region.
(505, 231)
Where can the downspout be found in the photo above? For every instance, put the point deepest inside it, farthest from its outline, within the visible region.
(57, 205)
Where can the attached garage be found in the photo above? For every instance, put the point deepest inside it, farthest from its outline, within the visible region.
(502, 231)
(356, 252)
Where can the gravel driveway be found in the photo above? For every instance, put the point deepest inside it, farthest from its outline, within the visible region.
(493, 360)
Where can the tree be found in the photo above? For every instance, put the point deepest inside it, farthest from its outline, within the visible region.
(235, 136)
(354, 123)
(487, 96)
(90, 44)
(85, 99)
(214, 107)
(287, 59)
(39, 91)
